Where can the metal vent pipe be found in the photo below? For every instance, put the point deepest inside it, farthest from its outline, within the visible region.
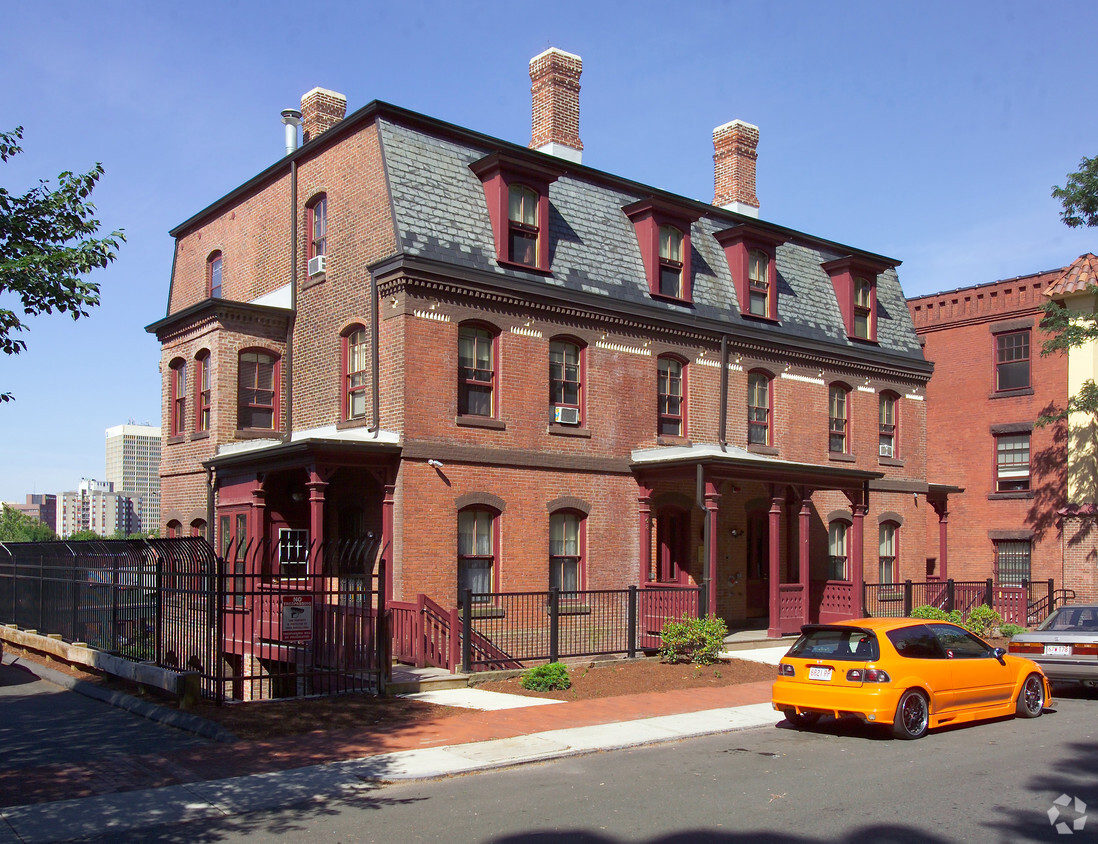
(291, 119)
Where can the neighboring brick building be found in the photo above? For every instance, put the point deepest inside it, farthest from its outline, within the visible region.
(522, 371)
(40, 506)
(990, 385)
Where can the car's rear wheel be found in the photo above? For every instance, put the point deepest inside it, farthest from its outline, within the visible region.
(801, 720)
(912, 715)
(1031, 699)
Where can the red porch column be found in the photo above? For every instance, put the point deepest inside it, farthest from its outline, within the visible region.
(316, 489)
(257, 532)
(941, 508)
(387, 532)
(712, 505)
(774, 535)
(803, 528)
(644, 514)
(857, 569)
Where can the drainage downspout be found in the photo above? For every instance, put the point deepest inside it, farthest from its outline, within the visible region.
(723, 429)
(289, 376)
(375, 362)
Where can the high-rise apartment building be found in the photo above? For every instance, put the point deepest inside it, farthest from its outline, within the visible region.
(95, 506)
(133, 467)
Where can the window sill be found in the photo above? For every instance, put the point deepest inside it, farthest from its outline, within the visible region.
(515, 265)
(840, 457)
(567, 430)
(352, 423)
(869, 341)
(1009, 394)
(200, 435)
(489, 612)
(314, 280)
(480, 422)
(257, 434)
(1008, 496)
(890, 461)
(668, 439)
(178, 438)
(674, 300)
(573, 609)
(757, 318)
(755, 448)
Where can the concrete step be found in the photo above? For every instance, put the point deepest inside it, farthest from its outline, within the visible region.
(410, 680)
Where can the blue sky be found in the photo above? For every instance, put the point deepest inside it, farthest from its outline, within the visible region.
(930, 132)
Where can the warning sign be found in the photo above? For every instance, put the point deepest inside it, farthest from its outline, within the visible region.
(297, 618)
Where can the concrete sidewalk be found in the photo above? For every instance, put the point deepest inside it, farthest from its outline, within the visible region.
(339, 765)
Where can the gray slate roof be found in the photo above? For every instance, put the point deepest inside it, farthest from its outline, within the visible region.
(441, 215)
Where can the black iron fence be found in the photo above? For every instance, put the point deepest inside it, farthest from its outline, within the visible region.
(250, 626)
(514, 629)
(1026, 604)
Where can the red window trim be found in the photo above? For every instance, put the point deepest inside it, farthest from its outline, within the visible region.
(345, 375)
(738, 242)
(647, 216)
(465, 383)
(276, 398)
(581, 347)
(843, 272)
(895, 425)
(581, 562)
(768, 424)
(215, 257)
(995, 339)
(202, 404)
(895, 549)
(497, 172)
(310, 231)
(178, 407)
(494, 571)
(682, 416)
(846, 420)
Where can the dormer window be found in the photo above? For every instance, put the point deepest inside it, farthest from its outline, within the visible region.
(663, 235)
(522, 225)
(855, 283)
(517, 193)
(750, 252)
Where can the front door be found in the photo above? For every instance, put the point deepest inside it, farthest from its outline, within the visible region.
(672, 535)
(758, 566)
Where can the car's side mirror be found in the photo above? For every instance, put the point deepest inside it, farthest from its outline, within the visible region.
(999, 653)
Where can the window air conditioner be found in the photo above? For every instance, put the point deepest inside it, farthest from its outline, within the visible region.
(886, 451)
(317, 265)
(566, 415)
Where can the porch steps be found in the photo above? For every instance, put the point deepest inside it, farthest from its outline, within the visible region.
(408, 680)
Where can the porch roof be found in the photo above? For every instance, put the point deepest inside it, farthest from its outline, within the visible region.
(328, 438)
(735, 462)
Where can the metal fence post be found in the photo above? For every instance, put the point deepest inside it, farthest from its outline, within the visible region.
(703, 600)
(1051, 596)
(554, 623)
(467, 632)
(631, 622)
(950, 595)
(384, 632)
(989, 589)
(907, 598)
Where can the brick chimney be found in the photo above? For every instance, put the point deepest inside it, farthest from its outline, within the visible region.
(321, 109)
(735, 148)
(555, 76)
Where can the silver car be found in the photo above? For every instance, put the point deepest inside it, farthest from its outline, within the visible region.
(1065, 644)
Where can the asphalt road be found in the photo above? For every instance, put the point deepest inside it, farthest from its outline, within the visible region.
(994, 782)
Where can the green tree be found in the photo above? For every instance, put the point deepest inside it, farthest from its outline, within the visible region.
(17, 526)
(1069, 329)
(47, 246)
(84, 536)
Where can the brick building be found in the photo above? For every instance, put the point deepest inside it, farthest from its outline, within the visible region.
(522, 371)
(1028, 507)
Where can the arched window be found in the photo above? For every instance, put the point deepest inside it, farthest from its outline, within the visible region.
(888, 534)
(202, 391)
(566, 381)
(257, 391)
(174, 529)
(759, 430)
(837, 561)
(672, 397)
(566, 550)
(888, 425)
(318, 226)
(838, 412)
(476, 552)
(476, 371)
(522, 225)
(671, 262)
(355, 372)
(213, 275)
(178, 369)
(198, 528)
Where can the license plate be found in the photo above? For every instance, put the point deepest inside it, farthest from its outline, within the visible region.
(1057, 650)
(819, 672)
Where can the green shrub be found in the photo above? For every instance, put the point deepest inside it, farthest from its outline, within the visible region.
(934, 614)
(983, 620)
(1010, 630)
(692, 640)
(546, 678)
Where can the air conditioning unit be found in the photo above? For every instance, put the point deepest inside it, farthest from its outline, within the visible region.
(886, 451)
(317, 265)
(566, 415)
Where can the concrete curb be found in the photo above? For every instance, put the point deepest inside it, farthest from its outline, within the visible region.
(151, 711)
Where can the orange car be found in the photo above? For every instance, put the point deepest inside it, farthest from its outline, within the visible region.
(909, 673)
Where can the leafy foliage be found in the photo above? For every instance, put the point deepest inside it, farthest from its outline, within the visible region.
(692, 640)
(935, 614)
(47, 244)
(17, 526)
(1010, 630)
(1079, 196)
(546, 678)
(983, 620)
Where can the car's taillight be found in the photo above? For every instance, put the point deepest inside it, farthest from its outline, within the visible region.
(785, 670)
(1088, 650)
(1025, 647)
(868, 675)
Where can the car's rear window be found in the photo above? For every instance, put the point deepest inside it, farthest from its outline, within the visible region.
(916, 642)
(830, 643)
(1083, 619)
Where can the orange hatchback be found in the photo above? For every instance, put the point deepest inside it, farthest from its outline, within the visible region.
(909, 673)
